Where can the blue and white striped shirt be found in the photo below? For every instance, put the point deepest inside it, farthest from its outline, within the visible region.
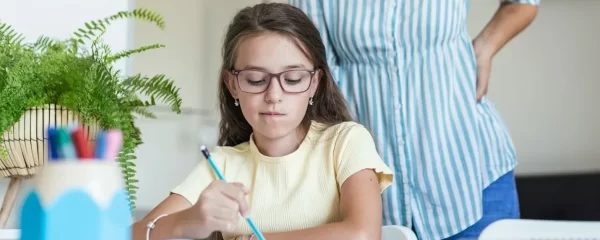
(407, 70)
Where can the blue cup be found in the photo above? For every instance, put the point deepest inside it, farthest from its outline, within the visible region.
(77, 199)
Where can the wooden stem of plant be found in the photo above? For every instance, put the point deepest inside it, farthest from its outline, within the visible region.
(9, 200)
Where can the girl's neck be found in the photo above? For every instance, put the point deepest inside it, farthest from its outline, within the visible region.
(279, 147)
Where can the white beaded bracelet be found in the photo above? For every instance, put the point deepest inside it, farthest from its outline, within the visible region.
(244, 237)
(152, 224)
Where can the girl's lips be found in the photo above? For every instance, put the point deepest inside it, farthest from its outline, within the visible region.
(272, 114)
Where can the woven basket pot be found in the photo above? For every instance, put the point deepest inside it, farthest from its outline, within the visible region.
(27, 145)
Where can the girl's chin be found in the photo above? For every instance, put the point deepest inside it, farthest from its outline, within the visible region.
(274, 131)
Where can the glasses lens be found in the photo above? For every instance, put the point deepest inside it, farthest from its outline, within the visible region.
(295, 81)
(253, 81)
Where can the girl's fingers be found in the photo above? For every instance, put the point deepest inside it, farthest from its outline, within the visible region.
(237, 193)
(225, 213)
(223, 225)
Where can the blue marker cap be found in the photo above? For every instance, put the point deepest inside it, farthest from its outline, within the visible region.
(100, 145)
(66, 150)
(52, 144)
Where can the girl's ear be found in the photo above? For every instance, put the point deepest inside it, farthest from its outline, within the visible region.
(315, 82)
(230, 81)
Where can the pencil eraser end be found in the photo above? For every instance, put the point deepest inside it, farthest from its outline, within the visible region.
(202, 148)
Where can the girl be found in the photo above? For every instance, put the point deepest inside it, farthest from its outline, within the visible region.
(296, 162)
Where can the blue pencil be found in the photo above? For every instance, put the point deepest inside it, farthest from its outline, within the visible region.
(220, 176)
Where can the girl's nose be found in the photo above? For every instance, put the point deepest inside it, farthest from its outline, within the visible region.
(274, 91)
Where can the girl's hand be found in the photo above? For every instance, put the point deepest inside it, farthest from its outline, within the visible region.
(217, 209)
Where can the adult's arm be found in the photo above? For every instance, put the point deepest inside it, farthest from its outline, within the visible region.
(512, 17)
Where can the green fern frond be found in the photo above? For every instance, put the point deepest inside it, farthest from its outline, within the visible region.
(98, 46)
(106, 51)
(107, 78)
(9, 37)
(139, 103)
(146, 15)
(157, 87)
(127, 53)
(125, 159)
(143, 112)
(43, 43)
(92, 28)
(131, 142)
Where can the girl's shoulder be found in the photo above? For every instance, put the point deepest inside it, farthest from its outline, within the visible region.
(340, 132)
(239, 149)
(222, 153)
(334, 130)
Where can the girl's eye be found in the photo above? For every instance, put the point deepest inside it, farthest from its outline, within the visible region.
(292, 81)
(256, 82)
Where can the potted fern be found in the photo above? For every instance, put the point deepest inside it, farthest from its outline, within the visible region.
(72, 77)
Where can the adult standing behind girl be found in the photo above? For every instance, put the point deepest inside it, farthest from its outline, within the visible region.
(412, 74)
(302, 169)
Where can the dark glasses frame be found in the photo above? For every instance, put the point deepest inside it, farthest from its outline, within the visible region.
(236, 73)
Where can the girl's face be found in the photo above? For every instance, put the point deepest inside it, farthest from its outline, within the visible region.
(273, 82)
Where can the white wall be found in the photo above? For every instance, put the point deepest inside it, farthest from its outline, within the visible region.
(552, 119)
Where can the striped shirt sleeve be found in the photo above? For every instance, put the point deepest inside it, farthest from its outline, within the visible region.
(533, 2)
(315, 11)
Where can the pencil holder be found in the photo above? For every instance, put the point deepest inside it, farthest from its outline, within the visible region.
(75, 200)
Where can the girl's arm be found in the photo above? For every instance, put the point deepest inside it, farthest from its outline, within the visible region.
(360, 205)
(216, 209)
(166, 227)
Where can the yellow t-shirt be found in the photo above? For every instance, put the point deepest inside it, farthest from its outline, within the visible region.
(297, 191)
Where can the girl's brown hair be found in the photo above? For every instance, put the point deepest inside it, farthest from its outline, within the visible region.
(329, 105)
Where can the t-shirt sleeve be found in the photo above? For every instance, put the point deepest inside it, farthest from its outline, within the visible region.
(200, 177)
(355, 151)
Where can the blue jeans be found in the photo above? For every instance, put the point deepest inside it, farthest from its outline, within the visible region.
(500, 201)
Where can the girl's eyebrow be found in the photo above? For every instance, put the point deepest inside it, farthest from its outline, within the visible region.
(287, 67)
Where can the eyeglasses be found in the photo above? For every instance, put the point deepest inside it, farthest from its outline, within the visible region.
(291, 81)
